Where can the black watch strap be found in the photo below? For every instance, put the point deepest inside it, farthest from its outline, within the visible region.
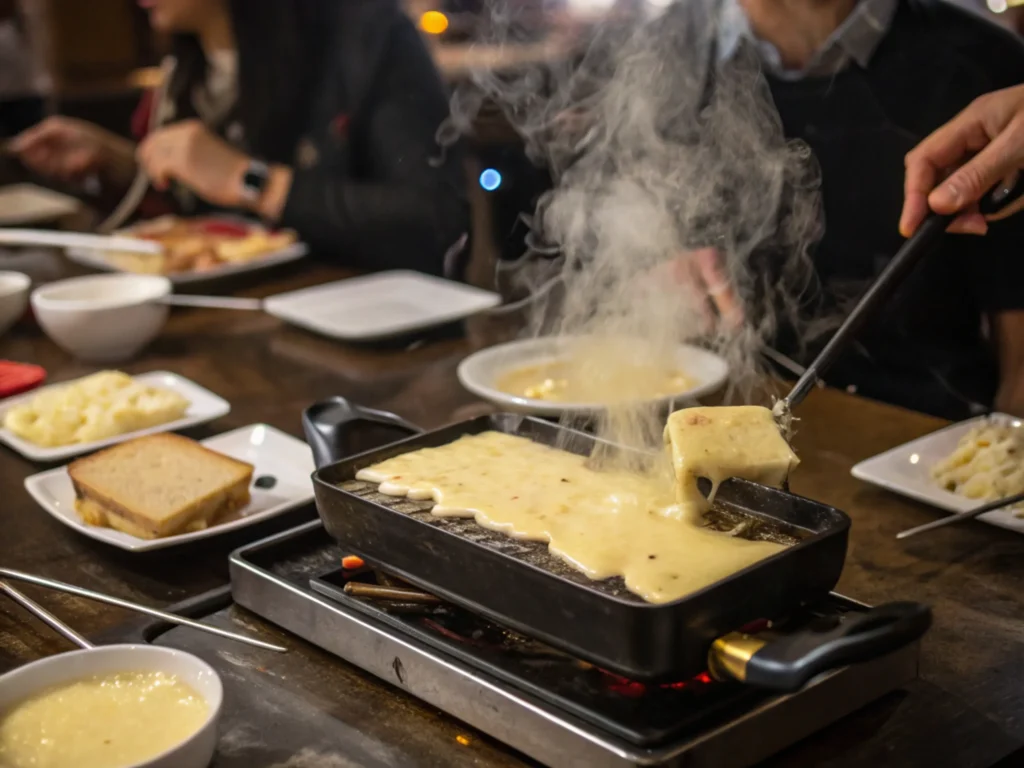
(255, 181)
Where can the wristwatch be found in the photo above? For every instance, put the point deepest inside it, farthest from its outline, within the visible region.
(255, 181)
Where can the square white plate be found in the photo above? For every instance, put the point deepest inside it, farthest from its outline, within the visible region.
(272, 452)
(22, 204)
(204, 406)
(906, 470)
(97, 260)
(379, 306)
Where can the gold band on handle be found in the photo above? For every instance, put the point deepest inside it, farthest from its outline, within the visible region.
(729, 654)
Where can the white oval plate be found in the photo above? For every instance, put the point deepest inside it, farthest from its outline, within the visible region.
(203, 406)
(480, 372)
(273, 453)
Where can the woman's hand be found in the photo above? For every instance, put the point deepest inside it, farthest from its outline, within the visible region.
(993, 127)
(190, 154)
(68, 149)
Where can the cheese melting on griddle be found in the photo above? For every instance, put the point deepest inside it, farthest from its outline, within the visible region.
(605, 523)
(722, 442)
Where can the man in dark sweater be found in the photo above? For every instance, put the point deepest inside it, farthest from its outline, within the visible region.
(862, 83)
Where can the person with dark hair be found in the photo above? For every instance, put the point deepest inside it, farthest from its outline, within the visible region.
(318, 115)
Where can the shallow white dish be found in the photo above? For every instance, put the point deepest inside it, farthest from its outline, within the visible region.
(480, 372)
(379, 306)
(28, 204)
(97, 260)
(196, 751)
(906, 470)
(204, 406)
(270, 451)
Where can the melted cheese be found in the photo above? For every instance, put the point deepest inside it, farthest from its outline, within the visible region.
(723, 442)
(101, 722)
(569, 381)
(605, 523)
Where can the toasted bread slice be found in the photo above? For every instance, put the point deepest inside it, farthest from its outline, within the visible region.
(158, 486)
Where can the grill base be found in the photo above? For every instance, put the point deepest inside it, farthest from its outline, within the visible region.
(272, 577)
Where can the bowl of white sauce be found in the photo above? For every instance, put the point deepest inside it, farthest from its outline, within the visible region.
(115, 706)
(576, 375)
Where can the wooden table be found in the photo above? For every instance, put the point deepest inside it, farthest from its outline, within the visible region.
(966, 711)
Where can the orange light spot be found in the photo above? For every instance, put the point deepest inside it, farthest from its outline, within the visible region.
(462, 740)
(434, 22)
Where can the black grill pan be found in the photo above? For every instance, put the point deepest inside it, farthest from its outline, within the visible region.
(520, 584)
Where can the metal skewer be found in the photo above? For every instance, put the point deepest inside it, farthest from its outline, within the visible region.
(99, 597)
(970, 514)
(44, 615)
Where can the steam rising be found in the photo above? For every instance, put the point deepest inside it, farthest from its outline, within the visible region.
(661, 158)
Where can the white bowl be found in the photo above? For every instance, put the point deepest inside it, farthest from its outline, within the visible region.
(13, 298)
(196, 751)
(103, 318)
(479, 373)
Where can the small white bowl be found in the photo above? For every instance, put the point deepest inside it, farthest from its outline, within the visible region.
(479, 373)
(13, 298)
(196, 751)
(103, 318)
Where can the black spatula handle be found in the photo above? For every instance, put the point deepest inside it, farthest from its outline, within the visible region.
(328, 425)
(885, 284)
(788, 663)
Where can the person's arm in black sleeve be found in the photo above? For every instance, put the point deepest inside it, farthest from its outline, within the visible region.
(401, 208)
(994, 267)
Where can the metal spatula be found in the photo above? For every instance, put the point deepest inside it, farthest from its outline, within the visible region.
(913, 250)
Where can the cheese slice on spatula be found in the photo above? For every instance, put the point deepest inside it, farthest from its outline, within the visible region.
(722, 442)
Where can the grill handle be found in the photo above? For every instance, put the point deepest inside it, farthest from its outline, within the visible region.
(328, 426)
(789, 663)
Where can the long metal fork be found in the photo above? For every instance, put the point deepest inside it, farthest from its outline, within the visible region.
(44, 615)
(172, 618)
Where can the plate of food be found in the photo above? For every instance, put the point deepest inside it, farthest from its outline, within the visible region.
(162, 490)
(553, 376)
(198, 249)
(958, 468)
(77, 417)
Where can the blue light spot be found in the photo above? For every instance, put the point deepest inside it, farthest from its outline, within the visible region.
(490, 179)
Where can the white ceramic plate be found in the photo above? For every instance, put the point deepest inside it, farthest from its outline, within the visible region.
(480, 372)
(204, 406)
(270, 451)
(22, 204)
(906, 470)
(379, 306)
(97, 260)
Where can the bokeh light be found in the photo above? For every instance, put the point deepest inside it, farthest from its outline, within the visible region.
(434, 22)
(490, 179)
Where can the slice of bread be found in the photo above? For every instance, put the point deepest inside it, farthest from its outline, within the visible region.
(158, 486)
